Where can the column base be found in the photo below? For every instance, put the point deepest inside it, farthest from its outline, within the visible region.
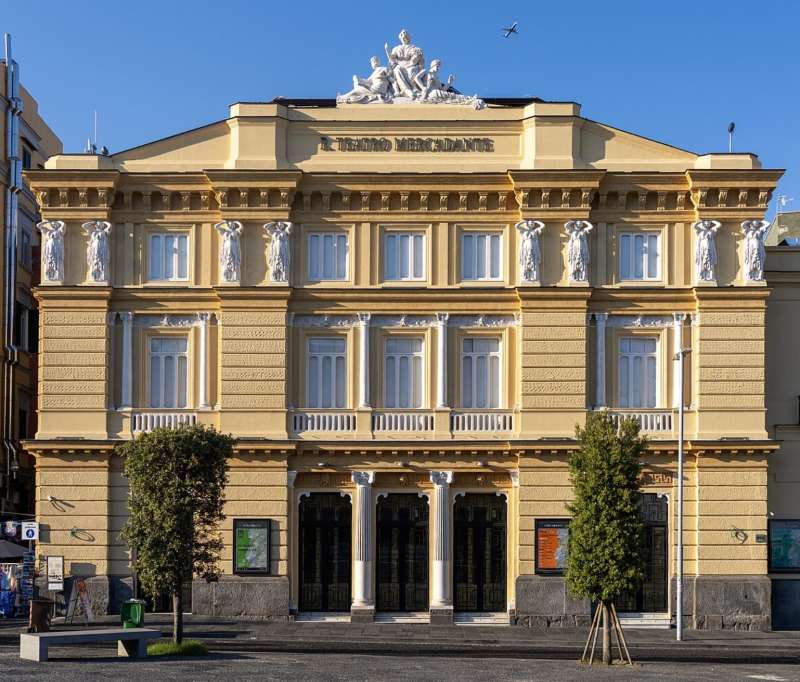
(441, 615)
(362, 614)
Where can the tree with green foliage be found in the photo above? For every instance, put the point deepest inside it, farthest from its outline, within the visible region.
(606, 530)
(176, 480)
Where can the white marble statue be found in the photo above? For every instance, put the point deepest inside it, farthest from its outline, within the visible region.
(530, 254)
(578, 249)
(755, 232)
(52, 249)
(705, 257)
(374, 88)
(405, 80)
(431, 89)
(278, 254)
(230, 253)
(97, 253)
(406, 60)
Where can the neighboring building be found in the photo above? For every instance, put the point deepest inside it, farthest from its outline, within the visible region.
(783, 425)
(785, 230)
(26, 142)
(404, 368)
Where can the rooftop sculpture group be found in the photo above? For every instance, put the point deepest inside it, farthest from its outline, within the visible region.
(405, 80)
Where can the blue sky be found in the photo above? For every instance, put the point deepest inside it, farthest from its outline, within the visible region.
(675, 71)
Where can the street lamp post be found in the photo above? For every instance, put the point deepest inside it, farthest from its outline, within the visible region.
(679, 357)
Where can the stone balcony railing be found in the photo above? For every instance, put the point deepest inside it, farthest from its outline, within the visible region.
(402, 420)
(651, 421)
(482, 421)
(142, 422)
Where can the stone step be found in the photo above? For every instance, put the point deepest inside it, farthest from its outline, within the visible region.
(656, 621)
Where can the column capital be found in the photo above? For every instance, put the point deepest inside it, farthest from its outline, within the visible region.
(363, 477)
(514, 475)
(290, 478)
(441, 478)
(126, 317)
(364, 319)
(600, 318)
(678, 318)
(203, 318)
(442, 318)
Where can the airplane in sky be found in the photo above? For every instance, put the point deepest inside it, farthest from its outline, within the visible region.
(510, 29)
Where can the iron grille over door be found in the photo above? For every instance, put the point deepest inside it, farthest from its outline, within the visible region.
(479, 566)
(651, 596)
(324, 560)
(402, 570)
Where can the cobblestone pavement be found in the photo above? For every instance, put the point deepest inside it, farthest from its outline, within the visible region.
(96, 665)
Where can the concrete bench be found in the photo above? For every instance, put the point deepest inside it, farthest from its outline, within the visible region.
(132, 642)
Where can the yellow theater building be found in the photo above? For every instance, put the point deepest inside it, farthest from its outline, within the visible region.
(401, 302)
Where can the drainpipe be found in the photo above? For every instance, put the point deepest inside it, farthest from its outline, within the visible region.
(10, 355)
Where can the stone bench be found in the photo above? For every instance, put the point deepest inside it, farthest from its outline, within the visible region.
(132, 642)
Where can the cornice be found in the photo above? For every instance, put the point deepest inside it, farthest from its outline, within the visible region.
(710, 298)
(543, 178)
(80, 295)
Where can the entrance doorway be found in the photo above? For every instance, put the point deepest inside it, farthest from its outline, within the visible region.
(402, 569)
(324, 559)
(651, 595)
(479, 553)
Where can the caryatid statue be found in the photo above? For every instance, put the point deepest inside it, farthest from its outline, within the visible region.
(705, 256)
(578, 249)
(530, 254)
(406, 60)
(278, 253)
(755, 232)
(52, 249)
(97, 252)
(230, 253)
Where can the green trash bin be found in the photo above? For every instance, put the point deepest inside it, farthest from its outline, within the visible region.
(132, 613)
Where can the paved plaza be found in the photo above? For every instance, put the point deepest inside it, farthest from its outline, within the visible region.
(95, 665)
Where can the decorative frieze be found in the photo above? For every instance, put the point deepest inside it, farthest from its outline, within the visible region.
(403, 321)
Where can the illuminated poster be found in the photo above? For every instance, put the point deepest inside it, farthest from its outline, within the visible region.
(784, 546)
(251, 546)
(552, 542)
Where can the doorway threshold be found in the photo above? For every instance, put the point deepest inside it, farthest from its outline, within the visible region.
(481, 618)
(650, 621)
(405, 617)
(323, 617)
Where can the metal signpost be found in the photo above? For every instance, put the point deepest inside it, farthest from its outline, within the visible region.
(679, 356)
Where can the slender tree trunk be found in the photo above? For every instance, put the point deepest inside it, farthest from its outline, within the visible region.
(606, 636)
(177, 615)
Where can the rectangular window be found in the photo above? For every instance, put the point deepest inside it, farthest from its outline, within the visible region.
(327, 256)
(637, 372)
(480, 256)
(402, 373)
(169, 256)
(25, 248)
(480, 373)
(327, 382)
(638, 256)
(404, 256)
(168, 371)
(26, 158)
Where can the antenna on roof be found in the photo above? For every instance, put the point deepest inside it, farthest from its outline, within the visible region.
(731, 128)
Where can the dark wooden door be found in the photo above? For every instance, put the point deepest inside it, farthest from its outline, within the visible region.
(479, 553)
(325, 560)
(651, 595)
(402, 567)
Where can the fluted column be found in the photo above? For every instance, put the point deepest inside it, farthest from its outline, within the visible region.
(442, 566)
(600, 321)
(127, 359)
(363, 599)
(677, 346)
(363, 364)
(202, 393)
(441, 374)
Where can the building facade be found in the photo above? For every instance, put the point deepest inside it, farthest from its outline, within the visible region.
(26, 142)
(402, 310)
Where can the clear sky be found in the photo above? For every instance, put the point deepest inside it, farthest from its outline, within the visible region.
(675, 71)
